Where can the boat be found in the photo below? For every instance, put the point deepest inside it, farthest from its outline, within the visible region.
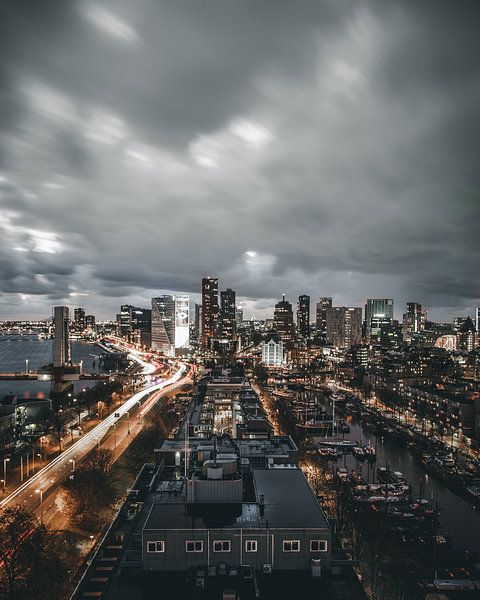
(358, 452)
(370, 452)
(342, 444)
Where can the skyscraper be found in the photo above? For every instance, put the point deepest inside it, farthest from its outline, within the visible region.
(477, 319)
(79, 319)
(321, 314)
(141, 326)
(228, 324)
(413, 320)
(182, 321)
(163, 324)
(125, 322)
(209, 310)
(378, 312)
(197, 323)
(283, 321)
(344, 326)
(303, 316)
(61, 340)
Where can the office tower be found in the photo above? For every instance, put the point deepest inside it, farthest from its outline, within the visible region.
(239, 315)
(209, 310)
(344, 326)
(61, 341)
(477, 319)
(79, 319)
(163, 324)
(378, 312)
(90, 322)
(466, 336)
(413, 320)
(197, 323)
(303, 317)
(182, 321)
(141, 326)
(125, 323)
(227, 323)
(321, 315)
(283, 321)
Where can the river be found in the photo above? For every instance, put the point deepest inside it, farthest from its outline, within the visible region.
(458, 518)
(15, 350)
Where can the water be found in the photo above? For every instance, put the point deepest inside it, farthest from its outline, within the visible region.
(458, 518)
(16, 349)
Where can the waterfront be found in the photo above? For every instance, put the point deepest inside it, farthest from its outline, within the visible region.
(15, 350)
(458, 518)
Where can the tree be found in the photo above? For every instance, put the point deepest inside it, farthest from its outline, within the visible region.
(92, 489)
(34, 561)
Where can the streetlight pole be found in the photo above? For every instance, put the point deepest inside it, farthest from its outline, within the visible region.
(5, 461)
(26, 366)
(40, 491)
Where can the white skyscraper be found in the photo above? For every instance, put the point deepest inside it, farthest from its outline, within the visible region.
(182, 321)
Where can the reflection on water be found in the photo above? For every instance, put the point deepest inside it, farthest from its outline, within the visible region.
(16, 349)
(459, 520)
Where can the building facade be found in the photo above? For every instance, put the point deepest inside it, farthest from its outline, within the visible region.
(303, 317)
(210, 311)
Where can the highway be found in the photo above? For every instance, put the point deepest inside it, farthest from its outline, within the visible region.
(59, 468)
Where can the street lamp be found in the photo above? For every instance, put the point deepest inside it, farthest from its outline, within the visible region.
(26, 366)
(40, 491)
(5, 460)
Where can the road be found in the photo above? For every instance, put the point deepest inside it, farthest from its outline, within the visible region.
(59, 468)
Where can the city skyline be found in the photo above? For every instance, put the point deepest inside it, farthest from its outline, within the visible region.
(347, 164)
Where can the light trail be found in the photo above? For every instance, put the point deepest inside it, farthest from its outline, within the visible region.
(51, 473)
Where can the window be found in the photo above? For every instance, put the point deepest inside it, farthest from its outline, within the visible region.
(318, 545)
(291, 545)
(156, 546)
(222, 546)
(194, 546)
(250, 545)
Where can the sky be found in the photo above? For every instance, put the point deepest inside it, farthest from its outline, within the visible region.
(322, 147)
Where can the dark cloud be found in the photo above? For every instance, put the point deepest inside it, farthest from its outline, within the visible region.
(320, 147)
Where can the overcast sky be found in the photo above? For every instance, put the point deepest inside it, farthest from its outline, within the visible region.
(322, 147)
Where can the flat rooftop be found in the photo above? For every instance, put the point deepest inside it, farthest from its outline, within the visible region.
(288, 503)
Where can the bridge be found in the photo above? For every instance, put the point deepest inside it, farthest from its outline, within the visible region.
(40, 376)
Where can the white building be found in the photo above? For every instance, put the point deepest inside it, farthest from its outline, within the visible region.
(272, 353)
(182, 321)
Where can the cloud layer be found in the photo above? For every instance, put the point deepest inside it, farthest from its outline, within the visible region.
(320, 147)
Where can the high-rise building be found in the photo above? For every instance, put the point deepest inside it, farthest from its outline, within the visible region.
(303, 317)
(197, 323)
(227, 323)
(344, 326)
(321, 315)
(141, 326)
(466, 336)
(209, 310)
(125, 322)
(378, 312)
(61, 340)
(272, 351)
(163, 324)
(239, 314)
(90, 323)
(477, 319)
(413, 320)
(283, 321)
(182, 321)
(79, 319)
